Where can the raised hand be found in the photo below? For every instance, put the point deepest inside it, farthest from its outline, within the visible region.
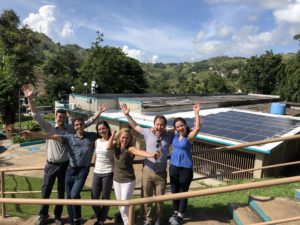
(27, 91)
(125, 109)
(102, 108)
(197, 107)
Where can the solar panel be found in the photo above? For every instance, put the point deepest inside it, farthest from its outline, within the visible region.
(242, 126)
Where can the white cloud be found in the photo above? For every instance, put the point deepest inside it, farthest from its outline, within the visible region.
(134, 53)
(154, 59)
(223, 30)
(50, 21)
(140, 55)
(290, 13)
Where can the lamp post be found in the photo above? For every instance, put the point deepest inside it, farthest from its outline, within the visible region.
(19, 110)
(85, 84)
(94, 85)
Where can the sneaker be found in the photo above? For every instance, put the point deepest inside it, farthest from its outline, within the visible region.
(59, 222)
(41, 220)
(178, 220)
(173, 218)
(157, 222)
(118, 218)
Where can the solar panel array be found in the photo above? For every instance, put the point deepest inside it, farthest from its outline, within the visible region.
(244, 127)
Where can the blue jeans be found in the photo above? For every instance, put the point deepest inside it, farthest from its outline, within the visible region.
(75, 179)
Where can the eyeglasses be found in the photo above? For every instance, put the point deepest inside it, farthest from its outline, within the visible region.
(158, 143)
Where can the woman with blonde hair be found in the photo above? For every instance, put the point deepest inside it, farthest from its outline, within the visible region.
(124, 177)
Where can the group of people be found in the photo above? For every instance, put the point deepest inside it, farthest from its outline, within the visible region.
(70, 151)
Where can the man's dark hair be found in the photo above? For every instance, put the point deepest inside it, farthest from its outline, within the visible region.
(161, 117)
(62, 111)
(77, 119)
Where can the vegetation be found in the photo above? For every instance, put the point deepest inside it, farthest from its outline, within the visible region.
(212, 204)
(17, 52)
(112, 70)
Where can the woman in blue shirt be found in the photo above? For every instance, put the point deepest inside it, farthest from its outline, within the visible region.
(181, 164)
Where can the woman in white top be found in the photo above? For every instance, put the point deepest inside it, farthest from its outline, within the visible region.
(103, 172)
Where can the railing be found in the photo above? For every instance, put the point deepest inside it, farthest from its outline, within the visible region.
(168, 197)
(133, 202)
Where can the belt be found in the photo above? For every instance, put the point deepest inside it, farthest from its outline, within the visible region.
(57, 163)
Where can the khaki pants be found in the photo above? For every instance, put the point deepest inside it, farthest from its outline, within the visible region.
(153, 184)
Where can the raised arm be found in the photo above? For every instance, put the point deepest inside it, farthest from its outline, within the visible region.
(198, 121)
(138, 152)
(110, 144)
(126, 110)
(55, 137)
(29, 95)
(45, 125)
(91, 120)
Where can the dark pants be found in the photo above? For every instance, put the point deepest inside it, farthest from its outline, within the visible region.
(51, 172)
(75, 179)
(180, 180)
(101, 183)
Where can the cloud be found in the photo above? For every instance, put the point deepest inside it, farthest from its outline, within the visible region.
(154, 59)
(140, 55)
(50, 21)
(290, 13)
(224, 30)
(134, 53)
(247, 37)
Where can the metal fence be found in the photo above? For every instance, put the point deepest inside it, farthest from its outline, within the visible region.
(222, 162)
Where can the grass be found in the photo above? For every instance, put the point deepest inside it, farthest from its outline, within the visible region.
(211, 205)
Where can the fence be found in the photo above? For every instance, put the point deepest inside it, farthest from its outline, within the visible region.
(133, 202)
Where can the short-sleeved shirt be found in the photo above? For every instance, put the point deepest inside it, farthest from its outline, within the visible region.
(181, 154)
(154, 144)
(123, 168)
(56, 152)
(80, 150)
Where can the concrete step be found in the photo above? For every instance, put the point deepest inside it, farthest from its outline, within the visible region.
(270, 208)
(297, 194)
(242, 214)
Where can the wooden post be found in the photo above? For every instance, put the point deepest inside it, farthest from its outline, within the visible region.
(131, 215)
(2, 193)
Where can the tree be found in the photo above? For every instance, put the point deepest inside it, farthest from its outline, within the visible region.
(216, 84)
(61, 68)
(289, 85)
(17, 51)
(260, 74)
(113, 71)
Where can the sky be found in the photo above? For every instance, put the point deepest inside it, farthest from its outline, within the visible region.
(166, 31)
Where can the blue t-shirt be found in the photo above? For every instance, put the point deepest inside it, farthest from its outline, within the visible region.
(181, 154)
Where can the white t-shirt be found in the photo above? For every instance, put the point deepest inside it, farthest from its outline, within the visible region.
(104, 158)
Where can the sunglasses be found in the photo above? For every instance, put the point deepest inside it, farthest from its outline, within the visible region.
(158, 143)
